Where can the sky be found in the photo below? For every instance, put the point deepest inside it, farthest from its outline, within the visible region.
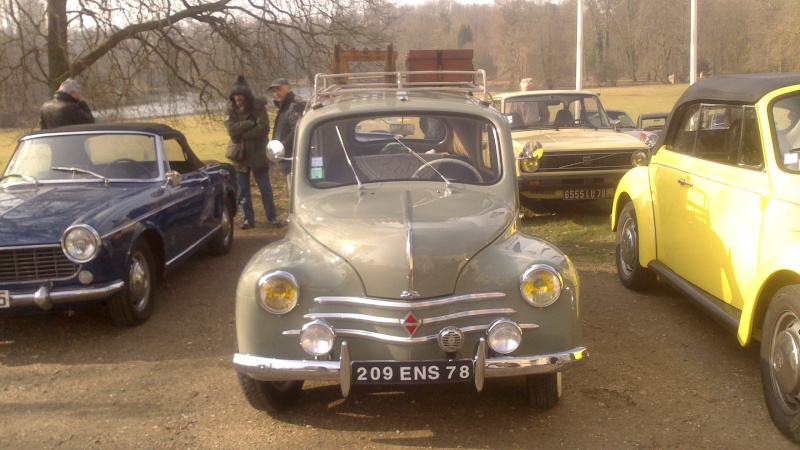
(419, 2)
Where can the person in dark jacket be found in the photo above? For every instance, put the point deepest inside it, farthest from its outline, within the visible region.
(290, 109)
(67, 107)
(247, 121)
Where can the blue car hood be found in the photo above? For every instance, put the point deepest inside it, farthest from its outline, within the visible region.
(39, 215)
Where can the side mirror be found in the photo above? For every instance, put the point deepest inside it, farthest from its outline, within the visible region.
(173, 178)
(615, 124)
(275, 151)
(530, 158)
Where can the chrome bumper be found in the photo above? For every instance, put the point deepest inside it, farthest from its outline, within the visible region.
(46, 297)
(269, 369)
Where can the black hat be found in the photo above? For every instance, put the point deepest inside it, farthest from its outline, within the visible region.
(278, 83)
(240, 87)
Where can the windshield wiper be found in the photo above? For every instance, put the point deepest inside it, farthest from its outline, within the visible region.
(79, 170)
(424, 163)
(347, 157)
(27, 178)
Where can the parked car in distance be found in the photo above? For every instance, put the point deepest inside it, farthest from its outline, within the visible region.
(652, 122)
(715, 215)
(624, 124)
(97, 213)
(404, 262)
(577, 155)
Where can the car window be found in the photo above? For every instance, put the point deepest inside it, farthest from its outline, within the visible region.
(177, 158)
(556, 111)
(416, 147)
(785, 116)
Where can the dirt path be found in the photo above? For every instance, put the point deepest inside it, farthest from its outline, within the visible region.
(661, 374)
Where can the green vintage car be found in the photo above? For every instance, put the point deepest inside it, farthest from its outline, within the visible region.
(404, 262)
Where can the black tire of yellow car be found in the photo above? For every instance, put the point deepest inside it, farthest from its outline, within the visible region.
(626, 252)
(222, 243)
(134, 303)
(782, 391)
(270, 396)
(544, 390)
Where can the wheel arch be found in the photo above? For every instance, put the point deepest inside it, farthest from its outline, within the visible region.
(754, 311)
(154, 240)
(634, 187)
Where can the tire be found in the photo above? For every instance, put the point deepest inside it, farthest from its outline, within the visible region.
(270, 396)
(544, 390)
(134, 304)
(780, 373)
(222, 243)
(626, 253)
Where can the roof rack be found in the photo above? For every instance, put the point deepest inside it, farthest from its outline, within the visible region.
(329, 86)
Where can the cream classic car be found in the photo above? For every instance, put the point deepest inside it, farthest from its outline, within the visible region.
(404, 262)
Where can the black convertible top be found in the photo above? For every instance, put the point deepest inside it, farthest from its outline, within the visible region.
(743, 89)
(155, 128)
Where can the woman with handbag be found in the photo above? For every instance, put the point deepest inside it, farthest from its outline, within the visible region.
(248, 126)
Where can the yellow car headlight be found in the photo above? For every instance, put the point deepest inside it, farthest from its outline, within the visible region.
(640, 158)
(278, 292)
(540, 285)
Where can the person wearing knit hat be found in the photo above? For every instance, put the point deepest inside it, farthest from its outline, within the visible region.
(247, 122)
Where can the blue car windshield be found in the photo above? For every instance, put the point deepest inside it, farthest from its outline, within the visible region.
(85, 157)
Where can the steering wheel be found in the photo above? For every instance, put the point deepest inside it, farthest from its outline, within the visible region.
(449, 161)
(139, 166)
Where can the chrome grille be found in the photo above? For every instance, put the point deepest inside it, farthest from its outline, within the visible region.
(34, 264)
(586, 161)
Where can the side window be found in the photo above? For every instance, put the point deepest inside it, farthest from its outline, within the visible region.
(686, 135)
(749, 152)
(785, 115)
(176, 156)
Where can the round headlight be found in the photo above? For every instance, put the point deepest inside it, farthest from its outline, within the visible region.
(640, 158)
(317, 338)
(650, 140)
(80, 243)
(504, 336)
(278, 292)
(529, 163)
(540, 285)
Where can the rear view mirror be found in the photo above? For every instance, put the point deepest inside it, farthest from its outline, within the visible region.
(402, 129)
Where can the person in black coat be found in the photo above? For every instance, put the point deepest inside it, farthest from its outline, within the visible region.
(290, 109)
(247, 122)
(67, 107)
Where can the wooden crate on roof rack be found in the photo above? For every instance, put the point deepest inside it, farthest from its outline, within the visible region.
(439, 60)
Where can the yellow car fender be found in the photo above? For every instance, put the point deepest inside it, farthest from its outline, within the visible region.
(784, 261)
(635, 187)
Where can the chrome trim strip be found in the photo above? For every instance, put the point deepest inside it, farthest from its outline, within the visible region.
(399, 321)
(269, 369)
(387, 338)
(410, 292)
(199, 242)
(68, 295)
(416, 305)
(344, 375)
(26, 247)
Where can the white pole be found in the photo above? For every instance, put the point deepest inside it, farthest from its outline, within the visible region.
(693, 45)
(579, 48)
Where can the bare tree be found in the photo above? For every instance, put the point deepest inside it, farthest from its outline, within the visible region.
(128, 49)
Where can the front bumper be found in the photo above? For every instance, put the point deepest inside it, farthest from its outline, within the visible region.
(46, 297)
(269, 369)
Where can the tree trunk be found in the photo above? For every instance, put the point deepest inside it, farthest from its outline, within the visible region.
(57, 54)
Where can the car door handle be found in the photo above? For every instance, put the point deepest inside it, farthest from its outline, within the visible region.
(683, 182)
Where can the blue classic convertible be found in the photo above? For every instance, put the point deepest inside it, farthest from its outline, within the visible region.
(99, 212)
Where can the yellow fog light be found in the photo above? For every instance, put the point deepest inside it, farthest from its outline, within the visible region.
(540, 285)
(504, 336)
(278, 292)
(316, 338)
(640, 158)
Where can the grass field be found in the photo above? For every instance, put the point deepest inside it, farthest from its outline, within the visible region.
(579, 229)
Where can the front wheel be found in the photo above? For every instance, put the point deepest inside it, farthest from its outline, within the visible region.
(780, 360)
(270, 396)
(222, 243)
(134, 304)
(626, 254)
(544, 390)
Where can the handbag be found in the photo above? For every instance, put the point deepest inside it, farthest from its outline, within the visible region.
(235, 150)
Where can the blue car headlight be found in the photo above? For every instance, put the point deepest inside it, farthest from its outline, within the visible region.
(80, 243)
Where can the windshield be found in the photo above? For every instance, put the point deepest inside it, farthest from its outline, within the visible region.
(100, 157)
(625, 120)
(411, 147)
(556, 111)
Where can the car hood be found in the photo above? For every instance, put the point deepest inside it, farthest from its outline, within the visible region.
(39, 215)
(571, 139)
(369, 231)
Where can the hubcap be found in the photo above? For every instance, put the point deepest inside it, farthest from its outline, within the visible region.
(226, 225)
(627, 246)
(785, 359)
(139, 281)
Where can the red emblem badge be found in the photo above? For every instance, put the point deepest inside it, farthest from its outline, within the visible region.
(411, 323)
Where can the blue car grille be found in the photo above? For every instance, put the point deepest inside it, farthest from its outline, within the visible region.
(34, 264)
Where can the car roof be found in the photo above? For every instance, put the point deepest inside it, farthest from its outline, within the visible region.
(160, 129)
(508, 95)
(742, 88)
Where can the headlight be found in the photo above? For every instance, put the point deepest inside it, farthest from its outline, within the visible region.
(278, 292)
(316, 338)
(640, 158)
(528, 163)
(650, 140)
(504, 336)
(540, 285)
(80, 243)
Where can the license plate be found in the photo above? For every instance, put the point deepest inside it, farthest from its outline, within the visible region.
(5, 299)
(584, 194)
(412, 372)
